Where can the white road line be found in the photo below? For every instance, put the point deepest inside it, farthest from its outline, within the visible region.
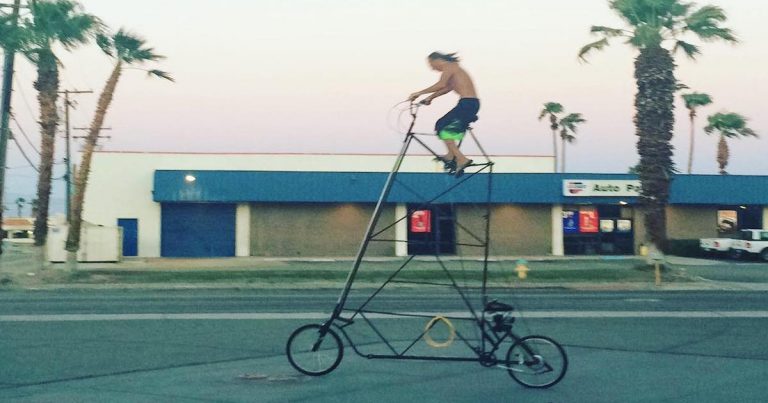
(323, 316)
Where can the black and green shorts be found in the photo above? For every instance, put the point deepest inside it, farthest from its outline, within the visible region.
(454, 124)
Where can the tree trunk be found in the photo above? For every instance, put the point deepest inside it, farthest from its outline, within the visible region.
(562, 156)
(693, 133)
(654, 122)
(553, 125)
(78, 199)
(47, 86)
(554, 149)
(723, 155)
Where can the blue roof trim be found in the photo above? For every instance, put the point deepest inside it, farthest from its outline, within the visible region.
(365, 187)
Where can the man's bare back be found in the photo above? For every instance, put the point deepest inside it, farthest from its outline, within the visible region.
(459, 81)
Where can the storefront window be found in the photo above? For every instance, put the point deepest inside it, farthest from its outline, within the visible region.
(727, 221)
(598, 230)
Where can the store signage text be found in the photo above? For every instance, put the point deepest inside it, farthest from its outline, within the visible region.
(601, 188)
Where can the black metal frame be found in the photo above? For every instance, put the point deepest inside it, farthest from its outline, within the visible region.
(489, 341)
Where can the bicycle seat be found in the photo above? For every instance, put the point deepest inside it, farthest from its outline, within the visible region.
(496, 306)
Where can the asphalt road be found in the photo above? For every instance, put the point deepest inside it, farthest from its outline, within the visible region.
(195, 345)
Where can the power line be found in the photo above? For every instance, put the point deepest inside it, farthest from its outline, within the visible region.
(23, 95)
(23, 133)
(18, 145)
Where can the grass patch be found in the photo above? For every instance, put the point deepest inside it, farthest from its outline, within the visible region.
(420, 272)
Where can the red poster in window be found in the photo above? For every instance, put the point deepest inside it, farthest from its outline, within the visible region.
(421, 221)
(589, 222)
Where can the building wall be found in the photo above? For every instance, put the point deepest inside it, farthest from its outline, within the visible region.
(691, 222)
(303, 229)
(515, 229)
(121, 183)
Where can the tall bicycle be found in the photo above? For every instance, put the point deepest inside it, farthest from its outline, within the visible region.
(533, 361)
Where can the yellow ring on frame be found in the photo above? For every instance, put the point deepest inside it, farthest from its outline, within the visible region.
(451, 335)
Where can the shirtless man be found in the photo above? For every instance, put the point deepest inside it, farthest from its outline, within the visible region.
(452, 127)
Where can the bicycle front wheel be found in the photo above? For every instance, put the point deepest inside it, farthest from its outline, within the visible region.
(536, 362)
(313, 350)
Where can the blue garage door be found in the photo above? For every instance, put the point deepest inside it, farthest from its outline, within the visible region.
(198, 230)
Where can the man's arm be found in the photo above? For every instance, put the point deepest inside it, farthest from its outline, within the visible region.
(439, 93)
(441, 85)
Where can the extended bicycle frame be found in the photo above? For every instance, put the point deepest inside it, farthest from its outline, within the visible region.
(490, 341)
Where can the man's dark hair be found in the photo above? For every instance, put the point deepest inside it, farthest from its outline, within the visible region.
(448, 57)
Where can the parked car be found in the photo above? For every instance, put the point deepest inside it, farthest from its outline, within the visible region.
(751, 242)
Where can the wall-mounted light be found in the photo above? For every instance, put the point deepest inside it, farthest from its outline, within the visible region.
(743, 207)
(623, 203)
(190, 178)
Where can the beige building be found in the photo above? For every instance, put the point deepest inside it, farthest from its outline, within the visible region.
(318, 205)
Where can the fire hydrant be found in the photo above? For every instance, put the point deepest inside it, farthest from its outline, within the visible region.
(522, 269)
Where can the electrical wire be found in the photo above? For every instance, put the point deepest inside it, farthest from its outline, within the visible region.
(23, 133)
(20, 90)
(31, 164)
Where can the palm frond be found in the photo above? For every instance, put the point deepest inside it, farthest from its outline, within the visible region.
(711, 34)
(729, 124)
(131, 48)
(598, 45)
(104, 42)
(646, 36)
(706, 15)
(62, 21)
(550, 108)
(690, 50)
(146, 54)
(161, 74)
(696, 99)
(13, 36)
(567, 137)
(571, 121)
(607, 31)
(705, 22)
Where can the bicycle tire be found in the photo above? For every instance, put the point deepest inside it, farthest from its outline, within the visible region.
(526, 357)
(314, 344)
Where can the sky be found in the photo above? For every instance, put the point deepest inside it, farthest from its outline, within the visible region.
(323, 75)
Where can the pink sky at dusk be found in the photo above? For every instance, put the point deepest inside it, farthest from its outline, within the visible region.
(322, 75)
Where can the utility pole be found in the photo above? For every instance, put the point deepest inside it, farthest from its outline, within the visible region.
(85, 137)
(68, 158)
(5, 109)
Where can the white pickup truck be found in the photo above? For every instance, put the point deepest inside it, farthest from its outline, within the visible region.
(721, 245)
(751, 242)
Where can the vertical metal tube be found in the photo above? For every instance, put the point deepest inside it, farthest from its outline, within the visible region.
(372, 224)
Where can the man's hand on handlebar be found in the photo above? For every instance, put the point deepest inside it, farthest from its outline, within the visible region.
(425, 101)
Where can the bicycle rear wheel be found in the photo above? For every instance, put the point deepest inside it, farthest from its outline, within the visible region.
(536, 362)
(313, 350)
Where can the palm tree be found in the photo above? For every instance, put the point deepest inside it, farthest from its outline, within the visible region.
(552, 109)
(127, 50)
(54, 22)
(33, 204)
(652, 25)
(19, 205)
(692, 102)
(568, 128)
(727, 125)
